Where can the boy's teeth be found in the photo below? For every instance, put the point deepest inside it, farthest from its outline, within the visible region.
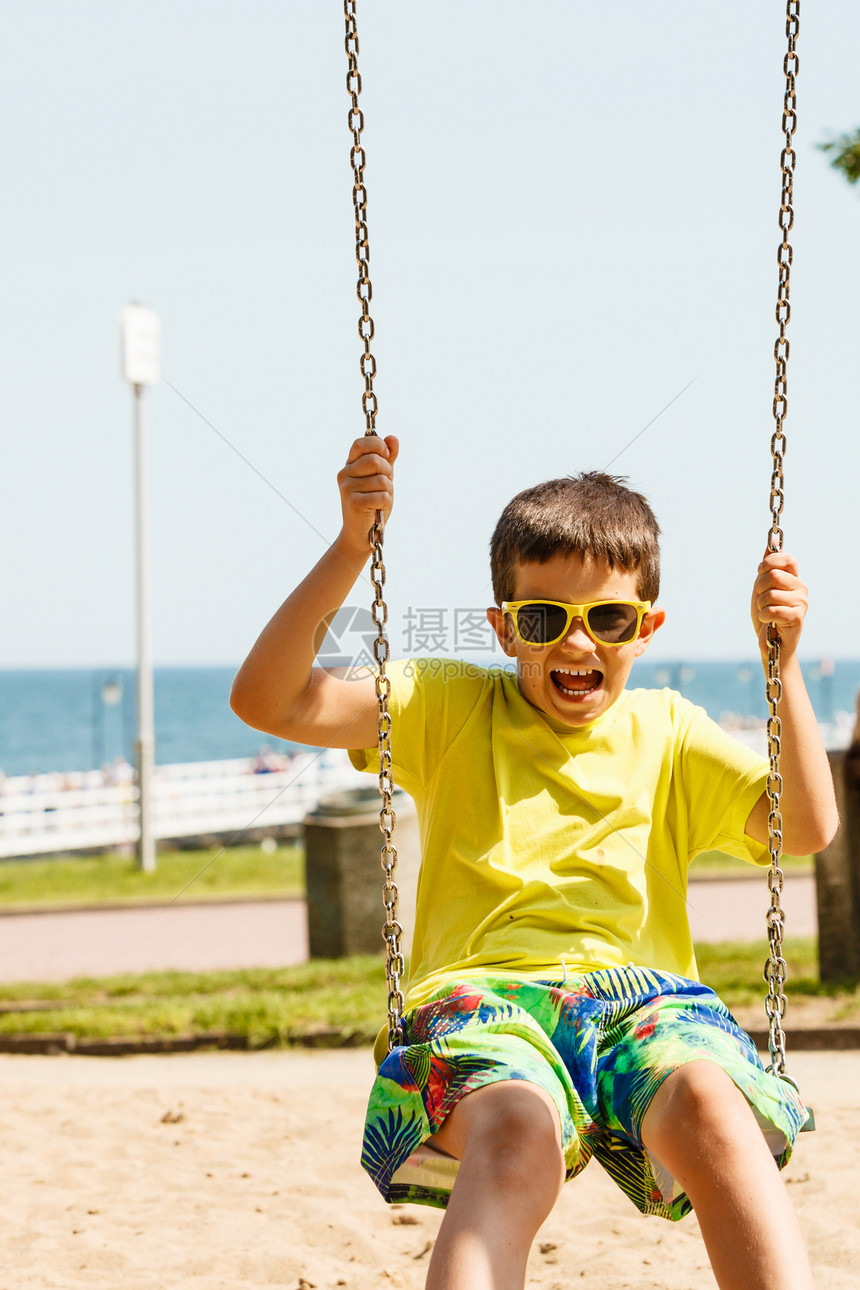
(594, 676)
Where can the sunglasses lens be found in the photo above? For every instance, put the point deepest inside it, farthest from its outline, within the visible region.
(613, 623)
(539, 623)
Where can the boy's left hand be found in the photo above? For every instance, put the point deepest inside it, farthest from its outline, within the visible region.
(779, 596)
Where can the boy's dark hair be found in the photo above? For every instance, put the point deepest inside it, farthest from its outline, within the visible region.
(591, 515)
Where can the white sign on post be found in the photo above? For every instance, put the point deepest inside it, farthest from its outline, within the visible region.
(139, 345)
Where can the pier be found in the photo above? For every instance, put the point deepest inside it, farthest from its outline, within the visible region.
(195, 803)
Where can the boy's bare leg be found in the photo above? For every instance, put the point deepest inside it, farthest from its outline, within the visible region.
(508, 1139)
(700, 1126)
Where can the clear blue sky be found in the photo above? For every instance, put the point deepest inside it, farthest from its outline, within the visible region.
(573, 214)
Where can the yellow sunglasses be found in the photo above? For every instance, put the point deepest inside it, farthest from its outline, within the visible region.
(608, 622)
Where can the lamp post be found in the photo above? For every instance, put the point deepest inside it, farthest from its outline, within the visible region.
(139, 342)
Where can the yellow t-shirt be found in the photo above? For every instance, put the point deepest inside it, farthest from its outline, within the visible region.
(547, 849)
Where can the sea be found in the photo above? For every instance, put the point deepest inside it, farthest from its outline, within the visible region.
(81, 719)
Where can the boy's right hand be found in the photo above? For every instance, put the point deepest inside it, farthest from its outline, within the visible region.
(366, 486)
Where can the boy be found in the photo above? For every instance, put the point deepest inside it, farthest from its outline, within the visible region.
(552, 1010)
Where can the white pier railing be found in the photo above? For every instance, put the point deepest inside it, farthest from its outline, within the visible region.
(53, 814)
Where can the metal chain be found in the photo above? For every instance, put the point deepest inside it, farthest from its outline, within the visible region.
(392, 931)
(775, 968)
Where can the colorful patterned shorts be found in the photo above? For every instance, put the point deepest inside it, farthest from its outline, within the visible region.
(599, 1044)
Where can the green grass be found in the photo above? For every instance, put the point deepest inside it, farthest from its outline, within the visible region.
(736, 970)
(713, 863)
(266, 1005)
(343, 1000)
(211, 874)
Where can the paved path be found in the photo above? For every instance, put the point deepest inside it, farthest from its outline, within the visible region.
(734, 909)
(106, 942)
(201, 937)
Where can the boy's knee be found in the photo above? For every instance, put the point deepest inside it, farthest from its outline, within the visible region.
(513, 1126)
(697, 1099)
(523, 1118)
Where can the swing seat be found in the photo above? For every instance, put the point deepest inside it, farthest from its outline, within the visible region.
(428, 1169)
(808, 1125)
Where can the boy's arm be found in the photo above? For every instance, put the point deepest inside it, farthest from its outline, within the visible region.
(277, 688)
(808, 804)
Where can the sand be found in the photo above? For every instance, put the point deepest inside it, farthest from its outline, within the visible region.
(231, 1171)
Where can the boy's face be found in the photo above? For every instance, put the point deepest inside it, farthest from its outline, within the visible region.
(576, 679)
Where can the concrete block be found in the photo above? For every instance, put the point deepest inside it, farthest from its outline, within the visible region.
(343, 841)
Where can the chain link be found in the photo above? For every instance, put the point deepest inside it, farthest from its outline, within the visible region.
(775, 968)
(392, 932)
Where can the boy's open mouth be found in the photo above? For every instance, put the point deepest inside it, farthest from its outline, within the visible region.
(575, 684)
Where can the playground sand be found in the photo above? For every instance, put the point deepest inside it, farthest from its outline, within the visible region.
(232, 1171)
